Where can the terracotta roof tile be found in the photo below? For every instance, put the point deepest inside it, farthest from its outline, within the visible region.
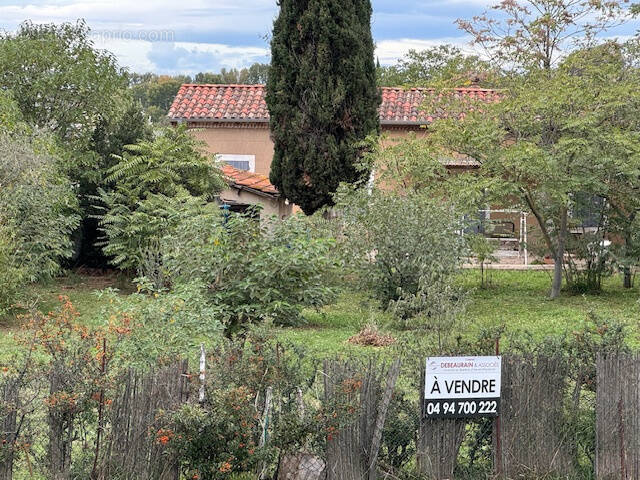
(247, 103)
(255, 181)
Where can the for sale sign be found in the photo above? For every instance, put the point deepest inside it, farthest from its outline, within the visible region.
(461, 387)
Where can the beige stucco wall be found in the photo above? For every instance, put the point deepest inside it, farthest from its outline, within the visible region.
(254, 139)
(240, 139)
(270, 206)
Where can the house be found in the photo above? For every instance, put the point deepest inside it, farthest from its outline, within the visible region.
(233, 121)
(247, 189)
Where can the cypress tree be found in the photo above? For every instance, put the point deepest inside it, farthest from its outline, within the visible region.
(322, 96)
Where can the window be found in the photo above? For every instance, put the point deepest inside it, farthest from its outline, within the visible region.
(241, 162)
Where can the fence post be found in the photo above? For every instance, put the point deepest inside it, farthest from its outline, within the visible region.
(352, 451)
(9, 396)
(60, 430)
(498, 429)
(617, 417)
(203, 366)
(383, 408)
(103, 370)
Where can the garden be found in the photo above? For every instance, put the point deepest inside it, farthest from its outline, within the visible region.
(146, 331)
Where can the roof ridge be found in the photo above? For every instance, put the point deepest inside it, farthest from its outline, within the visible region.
(248, 85)
(400, 87)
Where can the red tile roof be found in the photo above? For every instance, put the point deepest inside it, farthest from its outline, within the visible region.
(253, 181)
(246, 103)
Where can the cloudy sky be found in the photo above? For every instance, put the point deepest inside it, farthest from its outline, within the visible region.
(169, 36)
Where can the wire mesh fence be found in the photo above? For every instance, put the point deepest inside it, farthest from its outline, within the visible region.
(355, 419)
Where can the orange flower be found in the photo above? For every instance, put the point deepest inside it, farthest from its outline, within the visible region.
(225, 467)
(164, 436)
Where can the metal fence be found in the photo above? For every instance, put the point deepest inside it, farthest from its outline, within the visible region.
(543, 431)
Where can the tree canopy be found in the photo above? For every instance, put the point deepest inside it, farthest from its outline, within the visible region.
(445, 65)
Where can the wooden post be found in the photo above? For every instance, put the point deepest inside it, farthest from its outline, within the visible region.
(383, 407)
(203, 366)
(103, 369)
(498, 427)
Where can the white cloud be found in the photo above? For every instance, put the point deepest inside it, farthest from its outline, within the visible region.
(195, 15)
(180, 57)
(389, 51)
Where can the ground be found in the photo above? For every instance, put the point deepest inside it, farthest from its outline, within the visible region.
(516, 300)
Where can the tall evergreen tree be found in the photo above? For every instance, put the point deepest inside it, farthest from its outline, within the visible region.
(322, 96)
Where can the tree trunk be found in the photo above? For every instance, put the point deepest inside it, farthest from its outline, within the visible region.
(558, 268)
(628, 277)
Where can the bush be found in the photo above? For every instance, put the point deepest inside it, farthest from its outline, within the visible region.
(406, 251)
(12, 277)
(151, 181)
(254, 271)
(226, 434)
(168, 325)
(39, 207)
(588, 262)
(398, 241)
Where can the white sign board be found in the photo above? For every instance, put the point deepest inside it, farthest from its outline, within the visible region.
(459, 387)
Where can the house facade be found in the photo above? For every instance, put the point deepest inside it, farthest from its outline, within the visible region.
(233, 122)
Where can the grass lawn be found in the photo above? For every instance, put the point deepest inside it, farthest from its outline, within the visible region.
(517, 300)
(80, 290)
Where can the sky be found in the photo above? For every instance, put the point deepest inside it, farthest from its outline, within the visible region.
(186, 37)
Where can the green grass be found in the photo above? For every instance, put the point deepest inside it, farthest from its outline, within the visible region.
(519, 301)
(79, 288)
(516, 300)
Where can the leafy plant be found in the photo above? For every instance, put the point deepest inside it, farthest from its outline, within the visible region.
(235, 430)
(254, 271)
(39, 207)
(167, 325)
(155, 182)
(406, 250)
(396, 241)
(482, 250)
(12, 277)
(170, 163)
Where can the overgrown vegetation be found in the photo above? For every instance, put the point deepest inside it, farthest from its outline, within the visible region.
(381, 268)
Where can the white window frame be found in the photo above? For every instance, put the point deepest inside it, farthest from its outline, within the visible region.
(234, 157)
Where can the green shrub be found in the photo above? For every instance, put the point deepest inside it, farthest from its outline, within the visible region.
(152, 180)
(39, 207)
(398, 241)
(225, 435)
(406, 251)
(254, 271)
(12, 277)
(168, 325)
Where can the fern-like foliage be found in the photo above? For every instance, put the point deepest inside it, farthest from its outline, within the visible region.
(172, 160)
(155, 181)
